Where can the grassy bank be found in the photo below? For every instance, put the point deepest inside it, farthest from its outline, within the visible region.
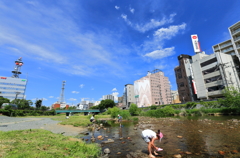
(44, 144)
(77, 120)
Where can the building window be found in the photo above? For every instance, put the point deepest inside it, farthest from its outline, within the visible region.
(181, 84)
(179, 73)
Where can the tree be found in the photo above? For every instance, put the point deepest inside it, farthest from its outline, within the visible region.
(38, 104)
(22, 103)
(3, 100)
(133, 109)
(108, 103)
(231, 97)
(44, 108)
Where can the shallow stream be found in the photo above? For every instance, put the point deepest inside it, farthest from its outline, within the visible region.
(206, 136)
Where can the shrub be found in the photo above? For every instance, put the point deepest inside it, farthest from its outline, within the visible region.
(114, 111)
(133, 110)
(125, 114)
(153, 107)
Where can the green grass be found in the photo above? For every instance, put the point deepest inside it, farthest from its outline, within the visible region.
(44, 144)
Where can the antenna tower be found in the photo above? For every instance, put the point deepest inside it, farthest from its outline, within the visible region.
(61, 100)
(17, 69)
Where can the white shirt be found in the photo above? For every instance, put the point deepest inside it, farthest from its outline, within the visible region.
(149, 133)
(92, 118)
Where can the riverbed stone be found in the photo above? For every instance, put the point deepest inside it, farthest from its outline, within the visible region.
(107, 151)
(177, 156)
(234, 151)
(108, 141)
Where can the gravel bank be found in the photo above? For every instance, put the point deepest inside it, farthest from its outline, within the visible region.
(16, 123)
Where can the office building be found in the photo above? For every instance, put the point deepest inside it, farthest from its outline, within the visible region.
(128, 96)
(13, 87)
(153, 89)
(203, 76)
(184, 79)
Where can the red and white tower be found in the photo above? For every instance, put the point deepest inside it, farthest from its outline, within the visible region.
(17, 69)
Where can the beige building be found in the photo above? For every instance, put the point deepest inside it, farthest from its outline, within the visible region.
(175, 97)
(153, 89)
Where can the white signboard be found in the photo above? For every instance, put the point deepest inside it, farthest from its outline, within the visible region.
(195, 42)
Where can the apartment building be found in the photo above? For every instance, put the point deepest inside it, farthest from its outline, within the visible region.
(111, 97)
(153, 89)
(231, 47)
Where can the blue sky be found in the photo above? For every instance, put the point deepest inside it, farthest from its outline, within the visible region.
(98, 46)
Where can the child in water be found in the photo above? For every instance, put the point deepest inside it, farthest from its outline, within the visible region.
(149, 137)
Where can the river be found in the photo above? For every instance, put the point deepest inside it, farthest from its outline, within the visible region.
(205, 136)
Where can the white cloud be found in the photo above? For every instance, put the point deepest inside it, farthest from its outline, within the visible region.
(160, 66)
(76, 92)
(72, 99)
(114, 89)
(168, 33)
(159, 38)
(51, 97)
(131, 10)
(81, 85)
(32, 3)
(117, 7)
(161, 53)
(44, 39)
(115, 94)
(150, 25)
(44, 99)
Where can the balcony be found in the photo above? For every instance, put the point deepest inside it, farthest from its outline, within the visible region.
(237, 39)
(235, 31)
(226, 45)
(227, 49)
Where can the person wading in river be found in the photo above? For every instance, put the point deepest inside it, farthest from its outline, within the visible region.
(149, 137)
(120, 120)
(92, 119)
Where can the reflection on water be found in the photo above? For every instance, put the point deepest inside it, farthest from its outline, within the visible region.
(198, 136)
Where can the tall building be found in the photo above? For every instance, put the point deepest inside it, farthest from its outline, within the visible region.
(208, 76)
(13, 87)
(231, 47)
(128, 96)
(153, 89)
(111, 97)
(211, 76)
(185, 79)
